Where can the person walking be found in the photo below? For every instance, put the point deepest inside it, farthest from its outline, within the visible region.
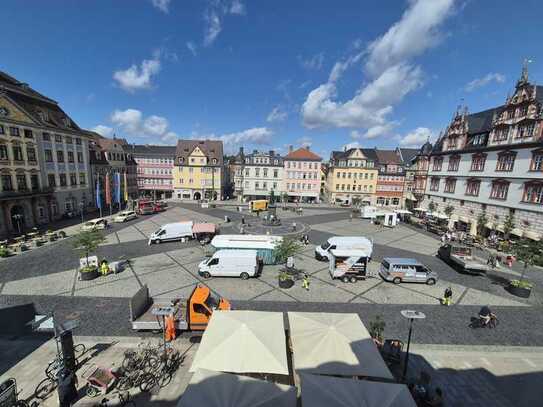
(447, 297)
(305, 282)
(351, 217)
(294, 226)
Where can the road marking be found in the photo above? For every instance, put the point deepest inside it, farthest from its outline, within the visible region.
(461, 296)
(529, 362)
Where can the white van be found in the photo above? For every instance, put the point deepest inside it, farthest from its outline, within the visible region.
(171, 232)
(343, 242)
(232, 263)
(368, 212)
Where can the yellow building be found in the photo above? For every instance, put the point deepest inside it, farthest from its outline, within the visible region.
(352, 176)
(198, 171)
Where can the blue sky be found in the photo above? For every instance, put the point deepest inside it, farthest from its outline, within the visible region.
(266, 74)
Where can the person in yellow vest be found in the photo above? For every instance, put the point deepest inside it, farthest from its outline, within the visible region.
(104, 268)
(447, 297)
(305, 282)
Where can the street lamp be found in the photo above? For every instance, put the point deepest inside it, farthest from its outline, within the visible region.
(18, 217)
(81, 207)
(410, 315)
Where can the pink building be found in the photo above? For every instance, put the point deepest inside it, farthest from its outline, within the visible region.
(302, 175)
(154, 174)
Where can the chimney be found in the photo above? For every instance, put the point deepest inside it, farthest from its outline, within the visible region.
(307, 147)
(255, 151)
(344, 148)
(241, 151)
(272, 153)
(290, 149)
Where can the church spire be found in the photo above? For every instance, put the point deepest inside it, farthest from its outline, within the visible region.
(524, 75)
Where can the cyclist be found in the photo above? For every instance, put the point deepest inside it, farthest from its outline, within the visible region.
(485, 314)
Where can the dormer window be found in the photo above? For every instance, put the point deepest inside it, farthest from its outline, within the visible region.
(181, 160)
(214, 161)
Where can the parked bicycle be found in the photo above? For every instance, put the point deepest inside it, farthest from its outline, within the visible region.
(10, 395)
(124, 400)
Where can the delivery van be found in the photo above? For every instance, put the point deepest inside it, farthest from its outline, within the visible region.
(343, 242)
(399, 270)
(232, 263)
(171, 232)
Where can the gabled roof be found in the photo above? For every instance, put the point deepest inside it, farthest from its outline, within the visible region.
(387, 157)
(408, 154)
(302, 154)
(143, 149)
(211, 148)
(481, 122)
(369, 153)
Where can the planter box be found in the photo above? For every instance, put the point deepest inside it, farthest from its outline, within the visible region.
(519, 291)
(89, 275)
(286, 284)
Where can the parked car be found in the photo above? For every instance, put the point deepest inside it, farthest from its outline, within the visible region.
(232, 263)
(95, 224)
(399, 270)
(125, 216)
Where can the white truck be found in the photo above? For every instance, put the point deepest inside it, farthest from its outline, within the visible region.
(231, 263)
(171, 232)
(343, 242)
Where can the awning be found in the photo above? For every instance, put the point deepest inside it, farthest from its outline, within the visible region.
(532, 235)
(438, 215)
(420, 209)
(335, 344)
(215, 389)
(203, 228)
(366, 199)
(517, 232)
(243, 342)
(410, 196)
(324, 391)
(403, 211)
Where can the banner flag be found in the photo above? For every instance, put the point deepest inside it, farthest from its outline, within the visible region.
(108, 190)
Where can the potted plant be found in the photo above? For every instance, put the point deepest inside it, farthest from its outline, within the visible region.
(526, 251)
(86, 242)
(4, 252)
(285, 280)
(377, 329)
(285, 248)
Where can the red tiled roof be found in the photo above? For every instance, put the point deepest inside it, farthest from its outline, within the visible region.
(303, 154)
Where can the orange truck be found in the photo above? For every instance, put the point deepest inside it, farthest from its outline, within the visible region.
(192, 314)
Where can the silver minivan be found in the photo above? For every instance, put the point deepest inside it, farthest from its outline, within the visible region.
(400, 269)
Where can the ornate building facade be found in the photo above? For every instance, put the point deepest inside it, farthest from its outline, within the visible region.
(488, 166)
(302, 175)
(155, 170)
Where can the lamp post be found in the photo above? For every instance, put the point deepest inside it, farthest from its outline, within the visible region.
(410, 315)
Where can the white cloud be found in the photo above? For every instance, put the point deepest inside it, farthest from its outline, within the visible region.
(137, 78)
(391, 74)
(155, 125)
(354, 144)
(417, 137)
(162, 5)
(485, 80)
(237, 7)
(213, 27)
(312, 63)
(129, 120)
(192, 47)
(305, 141)
(277, 115)
(255, 135)
(170, 138)
(375, 131)
(103, 130)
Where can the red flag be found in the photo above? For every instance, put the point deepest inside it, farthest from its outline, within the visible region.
(108, 190)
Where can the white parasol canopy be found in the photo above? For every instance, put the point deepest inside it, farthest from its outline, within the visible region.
(335, 344)
(403, 211)
(216, 389)
(420, 209)
(324, 391)
(243, 342)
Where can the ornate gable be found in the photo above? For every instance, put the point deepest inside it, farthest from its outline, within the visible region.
(9, 110)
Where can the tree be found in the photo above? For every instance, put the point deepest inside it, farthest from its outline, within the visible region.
(87, 241)
(449, 209)
(377, 328)
(272, 197)
(527, 251)
(286, 248)
(432, 206)
(508, 225)
(482, 220)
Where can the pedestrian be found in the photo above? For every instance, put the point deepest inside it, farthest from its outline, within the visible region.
(104, 268)
(443, 239)
(294, 226)
(305, 282)
(243, 220)
(351, 217)
(447, 297)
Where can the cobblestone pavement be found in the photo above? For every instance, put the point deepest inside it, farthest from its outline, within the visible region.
(469, 375)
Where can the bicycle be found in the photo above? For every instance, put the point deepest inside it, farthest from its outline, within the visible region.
(57, 364)
(124, 400)
(478, 322)
(170, 362)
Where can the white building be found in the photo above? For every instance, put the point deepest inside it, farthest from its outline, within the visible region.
(258, 174)
(489, 166)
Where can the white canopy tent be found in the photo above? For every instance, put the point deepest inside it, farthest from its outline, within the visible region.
(216, 389)
(403, 212)
(324, 391)
(335, 344)
(243, 342)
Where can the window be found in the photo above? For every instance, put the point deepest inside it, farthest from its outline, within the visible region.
(78, 141)
(14, 131)
(28, 133)
(257, 172)
(525, 131)
(473, 187)
(533, 192)
(58, 138)
(257, 185)
(31, 154)
(17, 153)
(478, 162)
(51, 181)
(70, 156)
(6, 183)
(450, 185)
(79, 156)
(63, 182)
(506, 161)
(3, 152)
(41, 212)
(454, 163)
(265, 172)
(2, 131)
(48, 156)
(438, 162)
(60, 156)
(73, 179)
(434, 184)
(34, 182)
(21, 182)
(537, 161)
(501, 134)
(499, 189)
